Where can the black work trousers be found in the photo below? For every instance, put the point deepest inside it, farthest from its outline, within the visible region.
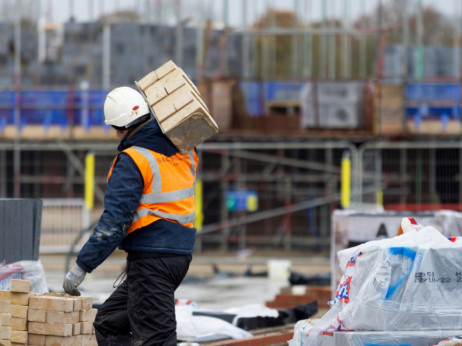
(141, 311)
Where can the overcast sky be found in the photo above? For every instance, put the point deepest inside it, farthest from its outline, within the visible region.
(198, 10)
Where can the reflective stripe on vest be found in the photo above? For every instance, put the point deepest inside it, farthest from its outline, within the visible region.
(168, 191)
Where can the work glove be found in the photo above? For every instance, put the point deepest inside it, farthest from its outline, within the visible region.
(73, 279)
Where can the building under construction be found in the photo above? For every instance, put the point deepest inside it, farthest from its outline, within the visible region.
(314, 114)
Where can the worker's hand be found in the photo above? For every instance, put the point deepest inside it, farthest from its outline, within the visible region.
(73, 279)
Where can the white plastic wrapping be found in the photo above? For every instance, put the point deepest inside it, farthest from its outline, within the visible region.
(24, 270)
(411, 282)
(376, 338)
(191, 327)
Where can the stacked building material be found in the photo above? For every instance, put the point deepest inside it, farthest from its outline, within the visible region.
(5, 318)
(178, 106)
(44, 318)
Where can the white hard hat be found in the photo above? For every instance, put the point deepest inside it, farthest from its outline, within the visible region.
(123, 106)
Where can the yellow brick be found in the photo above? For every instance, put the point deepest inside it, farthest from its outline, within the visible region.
(76, 327)
(19, 298)
(89, 340)
(87, 302)
(174, 84)
(19, 285)
(18, 310)
(182, 115)
(74, 340)
(57, 329)
(155, 93)
(148, 80)
(77, 304)
(36, 339)
(18, 323)
(63, 317)
(36, 315)
(86, 328)
(164, 108)
(88, 315)
(19, 336)
(54, 303)
(5, 295)
(5, 332)
(189, 81)
(5, 343)
(5, 319)
(166, 68)
(5, 306)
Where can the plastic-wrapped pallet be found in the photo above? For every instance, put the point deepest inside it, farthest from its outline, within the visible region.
(376, 338)
(411, 282)
(177, 106)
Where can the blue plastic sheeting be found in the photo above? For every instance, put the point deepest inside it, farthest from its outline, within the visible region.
(257, 93)
(433, 91)
(282, 91)
(54, 107)
(253, 94)
(433, 101)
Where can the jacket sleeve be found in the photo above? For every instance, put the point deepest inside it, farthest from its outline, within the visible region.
(123, 193)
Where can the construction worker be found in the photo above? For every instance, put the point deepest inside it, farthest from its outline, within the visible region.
(149, 213)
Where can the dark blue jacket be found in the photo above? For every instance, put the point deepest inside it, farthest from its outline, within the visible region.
(123, 193)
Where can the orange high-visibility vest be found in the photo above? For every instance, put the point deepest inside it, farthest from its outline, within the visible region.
(168, 191)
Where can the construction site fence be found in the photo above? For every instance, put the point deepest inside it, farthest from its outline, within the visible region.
(267, 195)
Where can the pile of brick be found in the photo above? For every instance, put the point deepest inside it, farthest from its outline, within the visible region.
(290, 297)
(44, 319)
(178, 106)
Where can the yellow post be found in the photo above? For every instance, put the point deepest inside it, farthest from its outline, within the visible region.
(198, 202)
(379, 197)
(345, 184)
(89, 180)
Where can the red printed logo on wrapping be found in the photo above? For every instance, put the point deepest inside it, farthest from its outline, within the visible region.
(343, 291)
(352, 260)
